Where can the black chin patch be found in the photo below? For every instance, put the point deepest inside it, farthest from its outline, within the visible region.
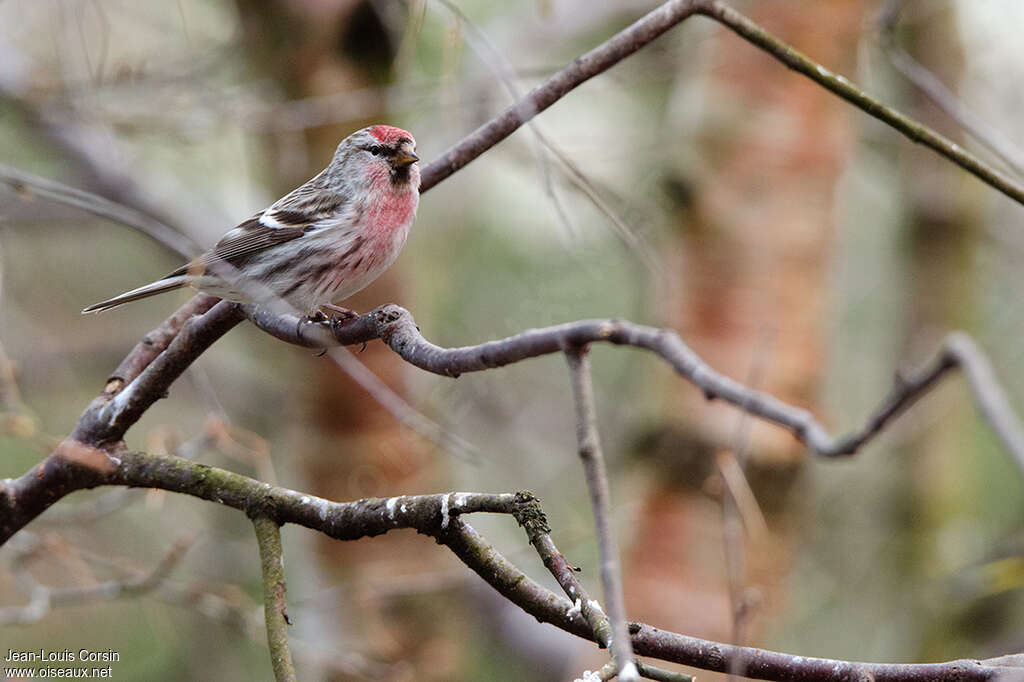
(400, 176)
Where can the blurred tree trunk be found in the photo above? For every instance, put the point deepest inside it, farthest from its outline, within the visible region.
(755, 235)
(312, 49)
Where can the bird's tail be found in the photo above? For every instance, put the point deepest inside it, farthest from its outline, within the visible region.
(152, 289)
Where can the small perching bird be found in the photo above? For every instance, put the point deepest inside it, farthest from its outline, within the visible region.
(320, 243)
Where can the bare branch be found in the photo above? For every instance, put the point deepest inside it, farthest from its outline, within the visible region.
(589, 443)
(155, 342)
(842, 87)
(763, 664)
(396, 327)
(583, 68)
(654, 24)
(66, 471)
(531, 517)
(440, 517)
(268, 536)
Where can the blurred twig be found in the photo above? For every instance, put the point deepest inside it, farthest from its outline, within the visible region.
(740, 509)
(91, 152)
(233, 609)
(941, 96)
(401, 410)
(28, 187)
(500, 66)
(44, 598)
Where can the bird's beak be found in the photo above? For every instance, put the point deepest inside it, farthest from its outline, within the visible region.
(403, 159)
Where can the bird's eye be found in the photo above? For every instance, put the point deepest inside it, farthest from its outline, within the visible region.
(376, 150)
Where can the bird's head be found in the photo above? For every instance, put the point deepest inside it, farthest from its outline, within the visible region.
(380, 152)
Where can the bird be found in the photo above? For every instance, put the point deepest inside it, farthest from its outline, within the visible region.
(320, 243)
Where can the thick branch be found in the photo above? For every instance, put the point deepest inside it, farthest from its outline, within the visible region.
(440, 516)
(66, 471)
(155, 342)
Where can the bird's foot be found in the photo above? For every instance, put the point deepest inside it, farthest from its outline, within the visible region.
(319, 317)
(336, 311)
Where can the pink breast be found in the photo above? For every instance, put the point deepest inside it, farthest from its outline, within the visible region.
(393, 212)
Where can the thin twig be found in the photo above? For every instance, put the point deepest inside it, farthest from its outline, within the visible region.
(401, 410)
(989, 397)
(533, 520)
(737, 487)
(499, 66)
(589, 443)
(531, 517)
(268, 536)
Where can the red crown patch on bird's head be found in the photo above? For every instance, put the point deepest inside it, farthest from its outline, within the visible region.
(389, 134)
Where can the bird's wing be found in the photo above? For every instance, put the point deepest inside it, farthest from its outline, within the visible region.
(311, 205)
(237, 246)
(303, 210)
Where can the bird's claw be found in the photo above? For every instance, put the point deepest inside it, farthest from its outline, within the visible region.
(336, 311)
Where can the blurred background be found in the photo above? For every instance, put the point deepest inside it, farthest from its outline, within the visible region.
(795, 244)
